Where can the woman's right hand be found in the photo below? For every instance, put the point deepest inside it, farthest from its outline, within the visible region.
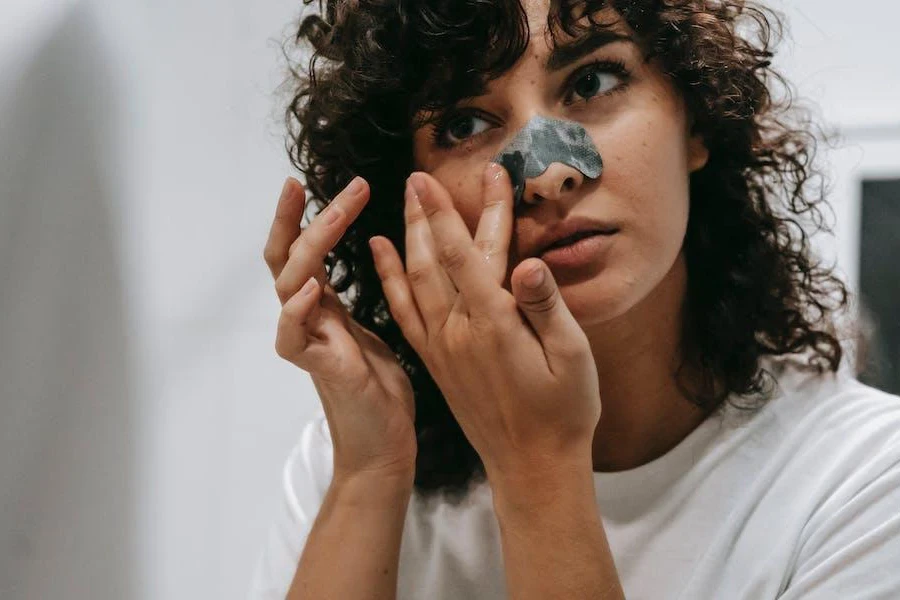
(366, 395)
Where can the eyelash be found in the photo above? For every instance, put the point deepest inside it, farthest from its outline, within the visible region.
(615, 67)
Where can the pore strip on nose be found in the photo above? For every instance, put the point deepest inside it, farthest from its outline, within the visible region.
(544, 141)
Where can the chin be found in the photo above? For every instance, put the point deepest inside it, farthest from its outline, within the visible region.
(610, 292)
(597, 299)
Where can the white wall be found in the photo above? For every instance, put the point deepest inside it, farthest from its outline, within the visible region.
(145, 415)
(68, 426)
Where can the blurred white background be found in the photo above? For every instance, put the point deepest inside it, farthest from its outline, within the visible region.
(144, 414)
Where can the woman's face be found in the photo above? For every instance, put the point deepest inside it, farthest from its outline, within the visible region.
(637, 121)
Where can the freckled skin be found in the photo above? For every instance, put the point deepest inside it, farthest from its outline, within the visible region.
(642, 133)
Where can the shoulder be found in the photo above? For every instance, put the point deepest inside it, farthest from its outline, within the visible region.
(837, 410)
(835, 442)
(844, 439)
(813, 419)
(817, 442)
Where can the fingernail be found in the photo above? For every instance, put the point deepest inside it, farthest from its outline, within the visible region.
(535, 278)
(418, 187)
(308, 287)
(285, 187)
(355, 186)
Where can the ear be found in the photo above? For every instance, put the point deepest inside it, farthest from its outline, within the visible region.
(698, 153)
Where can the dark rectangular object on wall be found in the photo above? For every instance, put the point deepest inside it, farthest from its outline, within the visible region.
(879, 282)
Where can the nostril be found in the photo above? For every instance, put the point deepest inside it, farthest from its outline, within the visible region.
(569, 183)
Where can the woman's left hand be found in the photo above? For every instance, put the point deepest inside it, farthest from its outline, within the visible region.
(515, 368)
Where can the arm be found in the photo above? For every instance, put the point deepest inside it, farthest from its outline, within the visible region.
(353, 549)
(554, 545)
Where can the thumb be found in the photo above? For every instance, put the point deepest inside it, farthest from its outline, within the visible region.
(538, 297)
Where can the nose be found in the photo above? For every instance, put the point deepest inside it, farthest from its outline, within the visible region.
(556, 181)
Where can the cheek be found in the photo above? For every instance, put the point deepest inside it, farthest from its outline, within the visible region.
(646, 171)
(464, 185)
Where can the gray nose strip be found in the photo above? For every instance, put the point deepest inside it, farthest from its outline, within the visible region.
(544, 141)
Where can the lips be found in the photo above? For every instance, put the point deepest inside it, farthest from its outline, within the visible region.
(569, 231)
(571, 239)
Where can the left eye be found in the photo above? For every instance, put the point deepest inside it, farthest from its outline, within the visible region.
(595, 82)
(463, 127)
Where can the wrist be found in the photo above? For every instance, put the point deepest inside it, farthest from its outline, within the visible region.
(536, 487)
(367, 488)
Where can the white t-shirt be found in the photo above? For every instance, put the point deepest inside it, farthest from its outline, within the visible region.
(800, 499)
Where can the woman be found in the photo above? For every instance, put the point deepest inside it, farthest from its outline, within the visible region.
(655, 408)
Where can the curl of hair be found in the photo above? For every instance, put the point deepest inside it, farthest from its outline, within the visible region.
(754, 288)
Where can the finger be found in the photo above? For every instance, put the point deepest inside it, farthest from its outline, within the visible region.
(318, 341)
(494, 232)
(284, 231)
(432, 290)
(322, 274)
(397, 291)
(538, 297)
(319, 238)
(456, 251)
(298, 318)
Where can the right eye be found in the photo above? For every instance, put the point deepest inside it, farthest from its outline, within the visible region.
(458, 129)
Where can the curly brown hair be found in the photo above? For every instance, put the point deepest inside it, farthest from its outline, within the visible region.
(754, 288)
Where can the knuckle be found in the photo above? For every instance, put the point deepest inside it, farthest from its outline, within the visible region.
(496, 328)
(429, 209)
(545, 302)
(506, 305)
(281, 350)
(419, 275)
(284, 288)
(399, 317)
(294, 245)
(284, 348)
(487, 248)
(570, 351)
(293, 312)
(484, 328)
(399, 312)
(451, 257)
(505, 316)
(456, 342)
(303, 244)
(271, 255)
(415, 216)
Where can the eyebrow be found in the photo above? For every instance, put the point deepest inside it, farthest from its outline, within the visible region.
(565, 54)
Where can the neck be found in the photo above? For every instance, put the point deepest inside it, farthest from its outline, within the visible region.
(644, 413)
